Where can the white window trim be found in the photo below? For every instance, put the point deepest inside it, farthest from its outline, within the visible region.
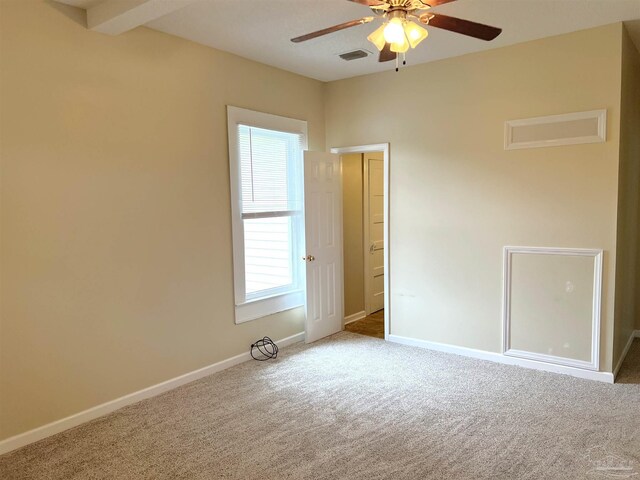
(246, 310)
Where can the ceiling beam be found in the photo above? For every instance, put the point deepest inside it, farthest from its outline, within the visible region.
(114, 17)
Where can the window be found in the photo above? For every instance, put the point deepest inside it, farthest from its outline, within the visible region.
(265, 160)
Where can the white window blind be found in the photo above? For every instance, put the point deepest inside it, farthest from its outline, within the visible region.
(270, 177)
(271, 206)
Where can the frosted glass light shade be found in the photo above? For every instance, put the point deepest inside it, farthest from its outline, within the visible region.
(401, 46)
(400, 34)
(377, 38)
(415, 33)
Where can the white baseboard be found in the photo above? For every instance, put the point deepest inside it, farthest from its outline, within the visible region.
(499, 358)
(355, 317)
(79, 418)
(635, 334)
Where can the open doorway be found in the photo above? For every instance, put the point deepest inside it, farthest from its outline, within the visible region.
(364, 193)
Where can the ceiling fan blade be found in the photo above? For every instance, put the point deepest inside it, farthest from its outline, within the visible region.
(372, 3)
(458, 25)
(435, 3)
(328, 30)
(386, 54)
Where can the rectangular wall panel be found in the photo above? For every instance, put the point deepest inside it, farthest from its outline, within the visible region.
(554, 130)
(552, 305)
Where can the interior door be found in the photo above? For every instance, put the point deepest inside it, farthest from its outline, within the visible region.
(323, 237)
(374, 232)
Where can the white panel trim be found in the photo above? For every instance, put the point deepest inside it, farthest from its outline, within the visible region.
(597, 255)
(385, 149)
(503, 359)
(354, 317)
(635, 334)
(599, 115)
(79, 418)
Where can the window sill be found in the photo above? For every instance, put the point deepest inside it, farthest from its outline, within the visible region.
(254, 309)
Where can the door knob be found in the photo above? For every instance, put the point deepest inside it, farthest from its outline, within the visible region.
(309, 258)
(372, 248)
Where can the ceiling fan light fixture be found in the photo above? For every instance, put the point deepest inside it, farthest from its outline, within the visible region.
(415, 33)
(377, 38)
(401, 29)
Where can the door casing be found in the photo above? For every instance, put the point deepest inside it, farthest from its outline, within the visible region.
(384, 148)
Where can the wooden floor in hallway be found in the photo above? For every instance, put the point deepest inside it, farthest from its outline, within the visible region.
(371, 325)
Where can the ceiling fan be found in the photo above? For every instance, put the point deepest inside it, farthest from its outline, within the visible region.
(399, 30)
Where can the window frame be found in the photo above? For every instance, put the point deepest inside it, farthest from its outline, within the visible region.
(254, 307)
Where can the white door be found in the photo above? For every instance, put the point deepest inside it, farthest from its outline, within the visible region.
(374, 232)
(323, 237)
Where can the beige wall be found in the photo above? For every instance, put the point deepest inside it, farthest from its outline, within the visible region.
(116, 230)
(116, 244)
(353, 233)
(627, 310)
(552, 304)
(457, 197)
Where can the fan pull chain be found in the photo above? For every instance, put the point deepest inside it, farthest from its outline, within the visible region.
(404, 60)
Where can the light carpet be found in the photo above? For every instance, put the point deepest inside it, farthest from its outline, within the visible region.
(354, 407)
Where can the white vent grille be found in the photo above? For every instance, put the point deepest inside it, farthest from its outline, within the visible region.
(354, 55)
(554, 130)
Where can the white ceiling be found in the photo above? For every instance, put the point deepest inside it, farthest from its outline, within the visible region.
(260, 29)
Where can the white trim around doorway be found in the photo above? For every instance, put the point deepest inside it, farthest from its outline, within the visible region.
(384, 148)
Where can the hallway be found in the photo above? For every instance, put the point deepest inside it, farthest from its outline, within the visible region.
(371, 325)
